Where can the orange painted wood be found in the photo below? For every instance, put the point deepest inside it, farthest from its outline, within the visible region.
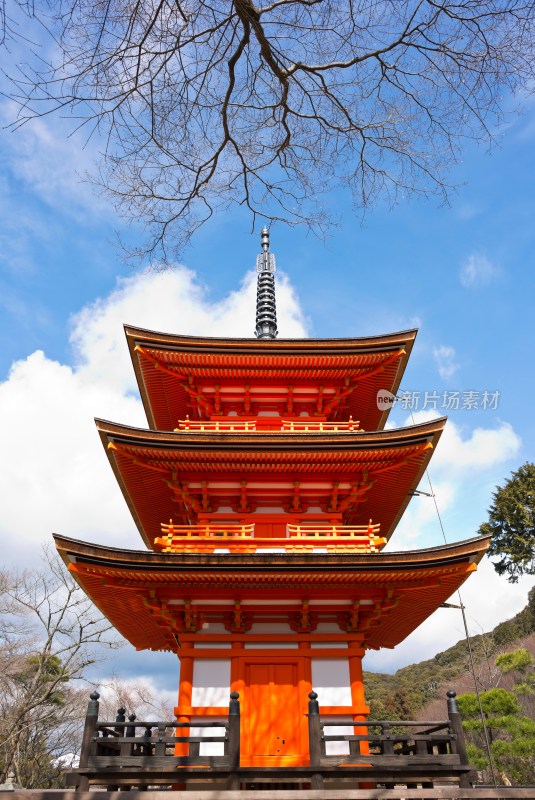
(185, 691)
(270, 530)
(258, 723)
(274, 653)
(272, 722)
(361, 710)
(342, 636)
(284, 710)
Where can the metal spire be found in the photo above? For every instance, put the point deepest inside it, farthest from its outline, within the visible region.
(266, 310)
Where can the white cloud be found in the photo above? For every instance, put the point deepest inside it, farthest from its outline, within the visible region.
(483, 449)
(445, 360)
(55, 473)
(463, 470)
(140, 694)
(488, 600)
(477, 270)
(169, 301)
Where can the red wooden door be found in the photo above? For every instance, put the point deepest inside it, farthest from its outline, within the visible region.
(270, 530)
(273, 718)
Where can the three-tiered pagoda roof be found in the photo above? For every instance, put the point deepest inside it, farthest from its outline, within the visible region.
(203, 377)
(265, 490)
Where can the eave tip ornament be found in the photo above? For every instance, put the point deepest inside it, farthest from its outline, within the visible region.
(266, 310)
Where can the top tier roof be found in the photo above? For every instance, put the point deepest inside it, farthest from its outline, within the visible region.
(201, 377)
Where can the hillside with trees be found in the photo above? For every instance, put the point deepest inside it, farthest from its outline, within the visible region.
(504, 671)
(415, 688)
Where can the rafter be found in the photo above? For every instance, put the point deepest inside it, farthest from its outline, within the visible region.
(357, 492)
(333, 504)
(181, 491)
(158, 364)
(296, 499)
(290, 400)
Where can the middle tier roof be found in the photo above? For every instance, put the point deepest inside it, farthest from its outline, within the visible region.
(183, 476)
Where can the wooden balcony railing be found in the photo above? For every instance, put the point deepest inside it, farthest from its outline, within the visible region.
(431, 751)
(242, 538)
(229, 425)
(133, 753)
(369, 531)
(138, 753)
(305, 424)
(210, 531)
(276, 424)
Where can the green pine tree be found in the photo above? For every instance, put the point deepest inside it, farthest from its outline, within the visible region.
(512, 525)
(511, 732)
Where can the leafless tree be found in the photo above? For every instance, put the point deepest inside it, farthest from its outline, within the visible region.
(135, 696)
(203, 104)
(50, 632)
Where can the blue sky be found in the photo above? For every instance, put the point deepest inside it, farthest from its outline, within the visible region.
(463, 274)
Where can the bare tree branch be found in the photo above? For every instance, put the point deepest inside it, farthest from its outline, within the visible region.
(50, 632)
(206, 104)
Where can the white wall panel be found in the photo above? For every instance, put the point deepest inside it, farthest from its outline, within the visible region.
(271, 627)
(338, 748)
(211, 682)
(210, 748)
(330, 679)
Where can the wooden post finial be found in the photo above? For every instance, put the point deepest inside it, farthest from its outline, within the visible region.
(456, 725)
(234, 738)
(314, 738)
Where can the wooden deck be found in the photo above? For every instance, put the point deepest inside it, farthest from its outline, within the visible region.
(437, 793)
(384, 759)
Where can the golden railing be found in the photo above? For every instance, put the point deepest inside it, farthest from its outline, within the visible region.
(369, 531)
(241, 539)
(300, 425)
(305, 424)
(225, 426)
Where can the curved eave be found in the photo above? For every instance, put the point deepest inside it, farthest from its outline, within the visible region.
(160, 397)
(151, 501)
(418, 582)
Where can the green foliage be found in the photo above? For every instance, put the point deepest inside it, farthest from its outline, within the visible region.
(51, 672)
(496, 703)
(511, 732)
(516, 758)
(511, 729)
(476, 756)
(512, 525)
(402, 695)
(517, 661)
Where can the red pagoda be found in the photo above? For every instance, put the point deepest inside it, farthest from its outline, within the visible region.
(265, 490)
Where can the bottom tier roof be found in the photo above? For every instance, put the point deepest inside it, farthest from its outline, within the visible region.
(156, 599)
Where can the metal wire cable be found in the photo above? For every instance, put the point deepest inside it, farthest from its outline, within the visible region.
(467, 635)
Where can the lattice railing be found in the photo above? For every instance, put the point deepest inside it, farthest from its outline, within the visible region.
(309, 424)
(241, 538)
(229, 425)
(368, 531)
(237, 425)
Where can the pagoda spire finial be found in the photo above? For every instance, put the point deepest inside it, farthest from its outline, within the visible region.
(266, 310)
